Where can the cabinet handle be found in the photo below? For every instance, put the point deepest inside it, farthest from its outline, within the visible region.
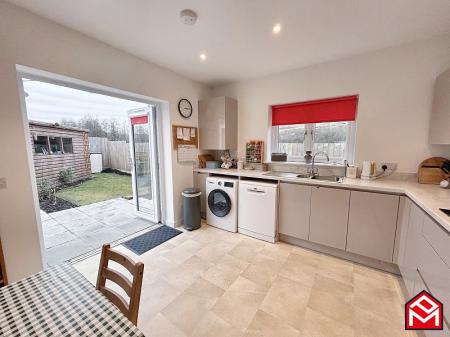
(255, 191)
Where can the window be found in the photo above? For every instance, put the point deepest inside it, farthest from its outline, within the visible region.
(321, 125)
(55, 145)
(335, 138)
(52, 145)
(67, 145)
(41, 145)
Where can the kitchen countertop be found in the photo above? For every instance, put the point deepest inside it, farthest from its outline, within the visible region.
(429, 197)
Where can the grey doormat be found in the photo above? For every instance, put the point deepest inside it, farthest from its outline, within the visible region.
(143, 243)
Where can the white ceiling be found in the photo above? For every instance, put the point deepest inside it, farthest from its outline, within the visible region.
(236, 35)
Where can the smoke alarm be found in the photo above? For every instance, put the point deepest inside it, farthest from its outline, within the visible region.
(188, 17)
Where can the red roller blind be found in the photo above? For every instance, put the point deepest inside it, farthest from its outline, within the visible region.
(336, 109)
(139, 120)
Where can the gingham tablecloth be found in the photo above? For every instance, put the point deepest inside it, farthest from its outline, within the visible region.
(59, 302)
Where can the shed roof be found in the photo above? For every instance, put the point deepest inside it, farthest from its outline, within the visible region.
(57, 126)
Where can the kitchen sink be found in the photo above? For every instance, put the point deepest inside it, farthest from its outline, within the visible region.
(281, 174)
(336, 179)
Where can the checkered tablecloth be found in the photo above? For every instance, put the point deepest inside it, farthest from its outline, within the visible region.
(59, 302)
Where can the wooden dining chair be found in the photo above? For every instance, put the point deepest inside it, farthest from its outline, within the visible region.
(131, 288)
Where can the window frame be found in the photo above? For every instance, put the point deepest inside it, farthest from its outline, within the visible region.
(349, 152)
(62, 145)
(48, 145)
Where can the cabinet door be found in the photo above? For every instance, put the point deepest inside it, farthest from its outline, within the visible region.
(329, 215)
(211, 124)
(294, 210)
(435, 273)
(411, 256)
(200, 182)
(402, 232)
(371, 224)
(231, 123)
(440, 115)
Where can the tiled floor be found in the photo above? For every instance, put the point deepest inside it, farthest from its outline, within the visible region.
(76, 231)
(214, 283)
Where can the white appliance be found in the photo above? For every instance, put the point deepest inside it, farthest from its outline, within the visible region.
(258, 209)
(222, 202)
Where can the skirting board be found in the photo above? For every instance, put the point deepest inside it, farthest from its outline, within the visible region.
(366, 261)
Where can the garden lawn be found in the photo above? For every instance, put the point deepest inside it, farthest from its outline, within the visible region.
(102, 186)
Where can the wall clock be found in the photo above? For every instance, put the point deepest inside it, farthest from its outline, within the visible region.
(185, 108)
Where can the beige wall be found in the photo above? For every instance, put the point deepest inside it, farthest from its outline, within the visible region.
(29, 40)
(395, 87)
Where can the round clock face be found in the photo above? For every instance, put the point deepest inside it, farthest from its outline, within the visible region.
(185, 108)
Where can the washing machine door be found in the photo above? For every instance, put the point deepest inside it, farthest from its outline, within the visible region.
(219, 203)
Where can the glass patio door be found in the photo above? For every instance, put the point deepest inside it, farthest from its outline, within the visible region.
(144, 158)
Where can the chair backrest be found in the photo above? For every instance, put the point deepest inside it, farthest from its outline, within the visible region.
(131, 288)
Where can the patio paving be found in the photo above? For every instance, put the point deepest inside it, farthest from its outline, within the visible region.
(76, 231)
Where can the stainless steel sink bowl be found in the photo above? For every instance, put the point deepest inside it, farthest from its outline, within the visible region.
(304, 176)
(280, 174)
(335, 179)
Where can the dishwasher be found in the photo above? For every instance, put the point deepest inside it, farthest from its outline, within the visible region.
(257, 210)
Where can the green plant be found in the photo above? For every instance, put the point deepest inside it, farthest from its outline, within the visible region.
(45, 190)
(66, 176)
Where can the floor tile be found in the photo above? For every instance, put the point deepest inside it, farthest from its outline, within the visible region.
(160, 326)
(185, 311)
(265, 325)
(316, 324)
(287, 300)
(238, 307)
(211, 325)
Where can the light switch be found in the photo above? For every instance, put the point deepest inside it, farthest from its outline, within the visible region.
(3, 185)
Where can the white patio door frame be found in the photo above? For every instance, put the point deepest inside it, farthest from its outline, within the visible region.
(45, 76)
(150, 113)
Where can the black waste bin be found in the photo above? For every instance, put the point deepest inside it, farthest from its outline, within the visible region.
(191, 208)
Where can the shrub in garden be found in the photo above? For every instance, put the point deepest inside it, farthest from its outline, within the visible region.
(45, 190)
(66, 176)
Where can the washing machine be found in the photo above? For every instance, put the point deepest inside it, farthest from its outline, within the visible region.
(222, 202)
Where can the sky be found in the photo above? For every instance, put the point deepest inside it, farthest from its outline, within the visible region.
(51, 103)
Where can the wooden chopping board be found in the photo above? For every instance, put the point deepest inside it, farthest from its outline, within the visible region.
(430, 171)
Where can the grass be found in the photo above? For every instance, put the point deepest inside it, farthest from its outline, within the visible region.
(102, 186)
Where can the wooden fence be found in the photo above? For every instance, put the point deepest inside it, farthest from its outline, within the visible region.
(116, 154)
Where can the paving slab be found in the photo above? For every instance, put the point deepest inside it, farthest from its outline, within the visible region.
(76, 231)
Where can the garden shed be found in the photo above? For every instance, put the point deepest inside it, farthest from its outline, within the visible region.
(59, 149)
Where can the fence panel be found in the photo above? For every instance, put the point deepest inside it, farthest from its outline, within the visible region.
(118, 154)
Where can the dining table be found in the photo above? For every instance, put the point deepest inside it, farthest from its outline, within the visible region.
(60, 301)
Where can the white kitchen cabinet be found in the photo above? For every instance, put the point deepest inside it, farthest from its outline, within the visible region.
(294, 210)
(411, 256)
(217, 123)
(402, 231)
(200, 182)
(438, 237)
(372, 224)
(329, 215)
(440, 115)
(435, 273)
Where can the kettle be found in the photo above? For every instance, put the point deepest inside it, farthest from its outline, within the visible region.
(368, 170)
